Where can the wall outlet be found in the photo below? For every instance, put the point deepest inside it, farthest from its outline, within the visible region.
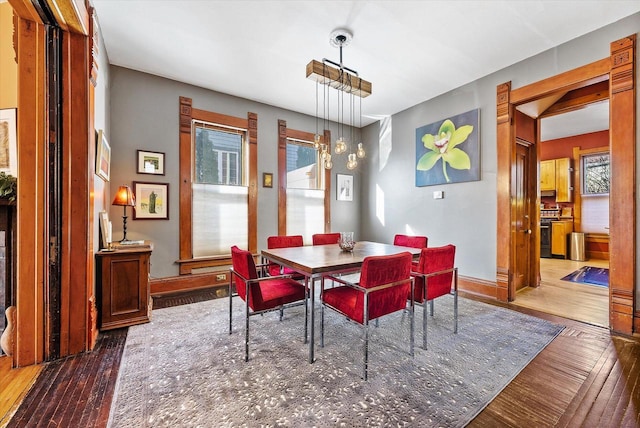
(221, 277)
(438, 194)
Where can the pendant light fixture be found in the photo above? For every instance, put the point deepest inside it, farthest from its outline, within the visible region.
(348, 85)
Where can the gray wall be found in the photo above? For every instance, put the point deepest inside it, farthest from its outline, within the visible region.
(466, 216)
(144, 115)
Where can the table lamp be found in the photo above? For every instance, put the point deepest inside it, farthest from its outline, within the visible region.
(126, 198)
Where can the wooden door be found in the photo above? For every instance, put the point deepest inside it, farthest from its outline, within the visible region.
(521, 274)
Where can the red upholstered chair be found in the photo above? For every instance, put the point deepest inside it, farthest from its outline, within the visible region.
(261, 294)
(275, 269)
(436, 276)
(410, 241)
(325, 238)
(385, 282)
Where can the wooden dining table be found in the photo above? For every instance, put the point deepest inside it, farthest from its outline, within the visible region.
(317, 261)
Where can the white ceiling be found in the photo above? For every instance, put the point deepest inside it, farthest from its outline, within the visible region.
(411, 51)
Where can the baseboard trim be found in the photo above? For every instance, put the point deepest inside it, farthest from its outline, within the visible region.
(479, 287)
(191, 282)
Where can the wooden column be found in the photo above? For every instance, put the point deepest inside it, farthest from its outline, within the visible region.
(185, 117)
(622, 221)
(252, 122)
(505, 154)
(282, 177)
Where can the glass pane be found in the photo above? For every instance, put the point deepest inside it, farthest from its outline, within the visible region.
(595, 173)
(305, 213)
(220, 219)
(217, 157)
(302, 167)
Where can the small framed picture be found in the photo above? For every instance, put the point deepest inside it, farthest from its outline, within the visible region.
(103, 157)
(267, 179)
(344, 187)
(8, 142)
(150, 162)
(152, 201)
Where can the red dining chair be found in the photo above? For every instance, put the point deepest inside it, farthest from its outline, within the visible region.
(410, 241)
(325, 238)
(436, 276)
(283, 241)
(261, 294)
(385, 281)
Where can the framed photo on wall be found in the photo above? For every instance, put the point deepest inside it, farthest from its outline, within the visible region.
(8, 142)
(267, 179)
(103, 157)
(150, 162)
(152, 201)
(344, 187)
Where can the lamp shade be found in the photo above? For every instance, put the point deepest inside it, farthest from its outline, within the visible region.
(125, 197)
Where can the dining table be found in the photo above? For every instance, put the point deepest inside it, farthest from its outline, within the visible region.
(317, 261)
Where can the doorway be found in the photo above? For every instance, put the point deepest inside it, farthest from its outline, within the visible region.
(618, 70)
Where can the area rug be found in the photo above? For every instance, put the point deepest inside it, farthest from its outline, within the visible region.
(184, 369)
(589, 275)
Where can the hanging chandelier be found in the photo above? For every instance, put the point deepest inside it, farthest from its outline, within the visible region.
(347, 85)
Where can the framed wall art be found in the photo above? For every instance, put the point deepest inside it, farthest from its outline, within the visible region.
(152, 201)
(448, 151)
(267, 179)
(150, 162)
(344, 187)
(8, 142)
(103, 156)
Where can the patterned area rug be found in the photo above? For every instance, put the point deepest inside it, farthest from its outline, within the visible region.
(184, 369)
(589, 275)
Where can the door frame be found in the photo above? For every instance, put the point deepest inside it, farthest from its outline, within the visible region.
(619, 69)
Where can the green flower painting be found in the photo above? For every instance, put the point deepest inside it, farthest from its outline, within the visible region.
(448, 151)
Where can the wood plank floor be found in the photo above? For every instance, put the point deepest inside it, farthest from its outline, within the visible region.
(580, 302)
(584, 378)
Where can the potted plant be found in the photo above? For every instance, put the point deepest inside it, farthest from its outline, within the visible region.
(8, 186)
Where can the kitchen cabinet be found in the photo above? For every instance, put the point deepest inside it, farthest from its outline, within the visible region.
(555, 175)
(123, 286)
(548, 175)
(559, 232)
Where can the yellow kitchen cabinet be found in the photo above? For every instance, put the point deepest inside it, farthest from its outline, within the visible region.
(559, 232)
(548, 175)
(555, 174)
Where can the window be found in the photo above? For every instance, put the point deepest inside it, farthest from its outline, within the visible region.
(304, 185)
(305, 190)
(219, 190)
(218, 182)
(595, 174)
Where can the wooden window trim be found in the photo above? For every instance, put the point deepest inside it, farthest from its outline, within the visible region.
(186, 114)
(283, 134)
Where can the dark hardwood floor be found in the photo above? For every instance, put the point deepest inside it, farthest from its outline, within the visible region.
(584, 378)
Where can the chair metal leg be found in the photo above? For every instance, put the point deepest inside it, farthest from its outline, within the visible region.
(424, 324)
(281, 313)
(306, 310)
(366, 350)
(431, 307)
(455, 312)
(246, 336)
(230, 301)
(322, 326)
(412, 329)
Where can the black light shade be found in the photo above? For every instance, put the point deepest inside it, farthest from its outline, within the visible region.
(125, 198)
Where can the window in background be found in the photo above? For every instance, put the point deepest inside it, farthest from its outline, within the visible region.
(219, 189)
(305, 190)
(595, 174)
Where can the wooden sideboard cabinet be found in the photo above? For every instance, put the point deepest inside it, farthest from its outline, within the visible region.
(123, 286)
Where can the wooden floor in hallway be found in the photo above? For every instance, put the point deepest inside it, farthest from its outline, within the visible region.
(580, 302)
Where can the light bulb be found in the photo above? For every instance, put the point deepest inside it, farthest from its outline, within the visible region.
(360, 152)
(341, 146)
(327, 162)
(316, 142)
(352, 163)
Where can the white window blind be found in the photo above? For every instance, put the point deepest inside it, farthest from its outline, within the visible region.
(305, 212)
(220, 219)
(595, 214)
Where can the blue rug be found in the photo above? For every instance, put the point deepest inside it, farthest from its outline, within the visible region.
(590, 275)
